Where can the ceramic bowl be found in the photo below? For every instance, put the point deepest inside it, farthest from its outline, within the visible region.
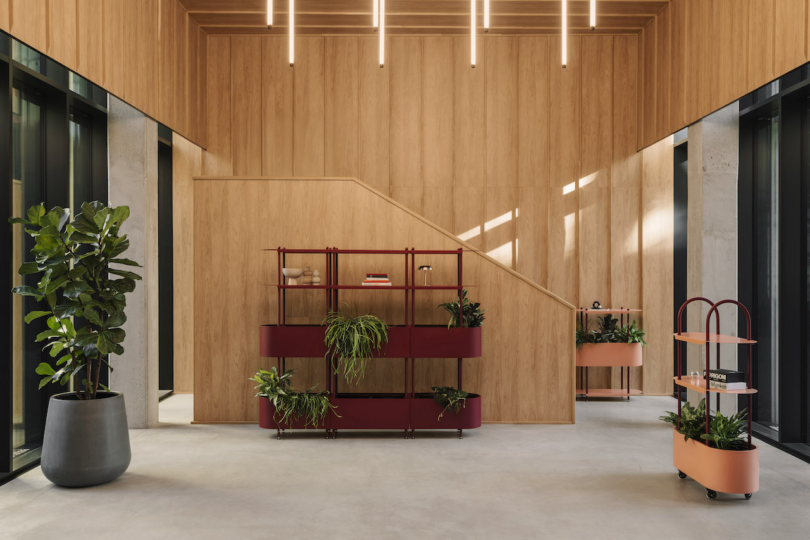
(292, 274)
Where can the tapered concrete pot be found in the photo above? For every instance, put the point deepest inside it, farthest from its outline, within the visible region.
(86, 442)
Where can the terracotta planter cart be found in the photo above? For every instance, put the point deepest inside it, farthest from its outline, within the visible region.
(726, 471)
(623, 355)
(406, 410)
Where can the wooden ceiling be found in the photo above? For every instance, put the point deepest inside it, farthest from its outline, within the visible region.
(416, 17)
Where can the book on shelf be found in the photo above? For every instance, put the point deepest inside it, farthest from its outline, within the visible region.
(717, 385)
(365, 284)
(725, 375)
(376, 280)
(371, 280)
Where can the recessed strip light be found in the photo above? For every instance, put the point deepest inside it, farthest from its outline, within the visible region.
(593, 14)
(292, 32)
(564, 33)
(269, 14)
(376, 16)
(486, 15)
(382, 33)
(472, 32)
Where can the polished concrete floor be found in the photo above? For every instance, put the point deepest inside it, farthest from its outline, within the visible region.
(608, 476)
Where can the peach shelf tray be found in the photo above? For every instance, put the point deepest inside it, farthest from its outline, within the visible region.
(608, 392)
(699, 338)
(700, 386)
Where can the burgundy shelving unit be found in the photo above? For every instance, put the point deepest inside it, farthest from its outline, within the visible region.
(405, 410)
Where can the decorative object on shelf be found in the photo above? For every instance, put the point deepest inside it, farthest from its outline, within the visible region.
(292, 275)
(473, 314)
(716, 450)
(352, 341)
(597, 305)
(86, 439)
(695, 377)
(307, 279)
(426, 269)
(291, 405)
(316, 277)
(376, 280)
(449, 398)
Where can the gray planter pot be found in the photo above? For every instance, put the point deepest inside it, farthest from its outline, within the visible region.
(86, 442)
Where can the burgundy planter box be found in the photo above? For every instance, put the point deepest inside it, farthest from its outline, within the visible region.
(425, 413)
(267, 421)
(362, 412)
(443, 342)
(307, 342)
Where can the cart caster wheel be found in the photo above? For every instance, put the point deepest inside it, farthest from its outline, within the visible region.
(711, 494)
(748, 496)
(681, 475)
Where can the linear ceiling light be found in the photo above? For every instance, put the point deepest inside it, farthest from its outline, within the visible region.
(593, 14)
(382, 33)
(472, 32)
(486, 15)
(269, 13)
(292, 32)
(376, 16)
(564, 33)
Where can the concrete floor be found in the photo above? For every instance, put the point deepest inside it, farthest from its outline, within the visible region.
(608, 476)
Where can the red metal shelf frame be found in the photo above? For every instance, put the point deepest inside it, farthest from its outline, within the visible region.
(332, 288)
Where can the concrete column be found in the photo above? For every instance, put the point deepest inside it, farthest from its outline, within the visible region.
(712, 234)
(133, 171)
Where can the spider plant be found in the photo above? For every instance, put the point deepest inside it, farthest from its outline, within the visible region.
(352, 341)
(292, 404)
(450, 398)
(473, 314)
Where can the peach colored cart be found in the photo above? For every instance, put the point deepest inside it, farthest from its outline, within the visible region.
(727, 471)
(623, 355)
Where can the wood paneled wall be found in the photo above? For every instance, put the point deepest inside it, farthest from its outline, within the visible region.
(526, 373)
(532, 164)
(698, 56)
(150, 53)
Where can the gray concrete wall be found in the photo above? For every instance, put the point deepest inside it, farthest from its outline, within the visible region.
(712, 233)
(133, 146)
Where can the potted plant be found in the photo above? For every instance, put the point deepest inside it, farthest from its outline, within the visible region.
(352, 341)
(86, 439)
(721, 459)
(611, 345)
(460, 339)
(283, 407)
(446, 408)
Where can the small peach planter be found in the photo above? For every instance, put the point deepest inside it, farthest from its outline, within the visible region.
(727, 471)
(609, 354)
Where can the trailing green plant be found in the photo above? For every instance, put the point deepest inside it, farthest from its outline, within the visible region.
(292, 404)
(728, 433)
(473, 314)
(449, 398)
(352, 341)
(610, 331)
(692, 420)
(84, 296)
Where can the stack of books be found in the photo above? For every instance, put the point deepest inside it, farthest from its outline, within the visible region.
(726, 379)
(376, 280)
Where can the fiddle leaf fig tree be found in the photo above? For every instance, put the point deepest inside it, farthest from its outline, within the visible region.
(84, 297)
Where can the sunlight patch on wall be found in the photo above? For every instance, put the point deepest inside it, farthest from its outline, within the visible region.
(500, 220)
(502, 254)
(469, 235)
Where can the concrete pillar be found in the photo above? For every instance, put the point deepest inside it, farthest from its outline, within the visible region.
(712, 234)
(133, 172)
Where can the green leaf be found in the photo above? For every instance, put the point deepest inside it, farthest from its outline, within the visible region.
(92, 316)
(75, 288)
(77, 272)
(89, 210)
(104, 344)
(64, 311)
(44, 381)
(28, 268)
(83, 224)
(55, 284)
(116, 335)
(116, 319)
(120, 214)
(36, 315)
(20, 221)
(120, 246)
(36, 212)
(26, 290)
(119, 350)
(124, 285)
(91, 350)
(44, 369)
(126, 262)
(125, 274)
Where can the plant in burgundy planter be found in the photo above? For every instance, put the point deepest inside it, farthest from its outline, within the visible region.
(86, 440)
(473, 314)
(352, 341)
(291, 405)
(449, 398)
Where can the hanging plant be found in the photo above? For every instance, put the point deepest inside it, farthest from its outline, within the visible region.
(352, 341)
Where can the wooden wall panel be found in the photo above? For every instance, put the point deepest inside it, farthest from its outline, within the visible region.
(373, 123)
(166, 61)
(525, 334)
(193, 79)
(564, 137)
(531, 236)
(650, 82)
(186, 164)
(663, 64)
(5, 11)
(342, 103)
(405, 140)
(308, 103)
(29, 21)
(90, 61)
(62, 37)
(202, 83)
(218, 159)
(246, 53)
(727, 45)
(678, 81)
(696, 63)
(180, 33)
(761, 43)
(114, 48)
(277, 108)
(790, 18)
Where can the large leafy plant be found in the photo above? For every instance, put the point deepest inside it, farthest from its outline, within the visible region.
(610, 331)
(84, 296)
(727, 433)
(351, 341)
(473, 314)
(292, 404)
(692, 421)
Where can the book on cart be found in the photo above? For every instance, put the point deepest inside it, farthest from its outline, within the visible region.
(725, 376)
(376, 280)
(717, 385)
